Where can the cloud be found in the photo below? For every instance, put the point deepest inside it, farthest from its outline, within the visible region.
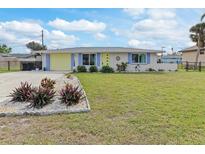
(161, 13)
(78, 25)
(141, 44)
(134, 12)
(24, 27)
(161, 26)
(58, 39)
(17, 33)
(100, 36)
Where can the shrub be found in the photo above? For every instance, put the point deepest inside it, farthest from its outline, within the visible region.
(151, 70)
(68, 76)
(22, 94)
(107, 69)
(122, 67)
(161, 70)
(48, 83)
(71, 95)
(74, 70)
(81, 69)
(93, 69)
(41, 97)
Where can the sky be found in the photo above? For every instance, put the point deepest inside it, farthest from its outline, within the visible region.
(64, 28)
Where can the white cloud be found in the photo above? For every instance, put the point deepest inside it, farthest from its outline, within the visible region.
(58, 39)
(141, 44)
(134, 11)
(24, 27)
(100, 36)
(17, 33)
(78, 25)
(161, 13)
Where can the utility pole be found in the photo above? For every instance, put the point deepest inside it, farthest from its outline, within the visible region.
(42, 38)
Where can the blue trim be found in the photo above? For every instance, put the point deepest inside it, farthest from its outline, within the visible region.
(98, 59)
(47, 62)
(80, 59)
(148, 58)
(72, 61)
(129, 58)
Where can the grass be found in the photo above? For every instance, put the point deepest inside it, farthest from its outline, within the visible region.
(145, 108)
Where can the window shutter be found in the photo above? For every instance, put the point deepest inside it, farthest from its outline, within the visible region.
(129, 58)
(148, 58)
(72, 60)
(79, 59)
(47, 62)
(98, 59)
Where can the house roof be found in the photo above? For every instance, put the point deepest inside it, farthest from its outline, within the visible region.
(99, 49)
(193, 48)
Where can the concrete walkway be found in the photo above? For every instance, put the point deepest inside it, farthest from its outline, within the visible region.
(8, 81)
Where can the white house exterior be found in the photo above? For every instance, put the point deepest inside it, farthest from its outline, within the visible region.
(69, 58)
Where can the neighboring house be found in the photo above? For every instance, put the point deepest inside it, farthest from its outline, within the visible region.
(28, 61)
(189, 54)
(20, 61)
(171, 58)
(69, 58)
(7, 62)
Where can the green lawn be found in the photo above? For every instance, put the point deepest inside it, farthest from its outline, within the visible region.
(145, 108)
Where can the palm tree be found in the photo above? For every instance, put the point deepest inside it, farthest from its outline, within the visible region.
(202, 17)
(198, 36)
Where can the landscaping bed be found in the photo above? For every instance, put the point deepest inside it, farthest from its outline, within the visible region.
(11, 108)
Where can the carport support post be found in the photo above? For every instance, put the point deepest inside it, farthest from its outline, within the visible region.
(8, 65)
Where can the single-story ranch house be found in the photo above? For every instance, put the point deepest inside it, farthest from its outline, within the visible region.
(189, 54)
(69, 58)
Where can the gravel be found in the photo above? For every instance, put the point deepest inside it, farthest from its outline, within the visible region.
(8, 108)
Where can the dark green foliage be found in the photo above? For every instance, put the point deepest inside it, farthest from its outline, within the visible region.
(74, 71)
(93, 69)
(122, 67)
(35, 46)
(81, 69)
(22, 94)
(107, 69)
(151, 70)
(48, 83)
(5, 49)
(71, 95)
(41, 97)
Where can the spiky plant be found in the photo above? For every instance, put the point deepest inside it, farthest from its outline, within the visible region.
(48, 83)
(22, 93)
(71, 95)
(41, 97)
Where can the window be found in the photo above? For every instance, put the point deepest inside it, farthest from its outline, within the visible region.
(88, 59)
(139, 58)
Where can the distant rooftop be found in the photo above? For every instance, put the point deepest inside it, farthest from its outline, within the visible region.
(193, 48)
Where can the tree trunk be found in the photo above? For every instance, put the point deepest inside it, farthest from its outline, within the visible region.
(197, 57)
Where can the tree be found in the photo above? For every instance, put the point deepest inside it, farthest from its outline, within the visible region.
(198, 36)
(5, 49)
(202, 17)
(35, 46)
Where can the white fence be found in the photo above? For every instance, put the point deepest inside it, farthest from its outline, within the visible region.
(156, 67)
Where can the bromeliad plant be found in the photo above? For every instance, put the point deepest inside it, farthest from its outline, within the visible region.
(41, 97)
(71, 95)
(22, 93)
(48, 83)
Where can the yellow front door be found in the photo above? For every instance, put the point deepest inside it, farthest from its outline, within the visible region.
(60, 61)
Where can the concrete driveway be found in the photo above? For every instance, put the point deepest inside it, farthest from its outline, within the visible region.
(8, 81)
